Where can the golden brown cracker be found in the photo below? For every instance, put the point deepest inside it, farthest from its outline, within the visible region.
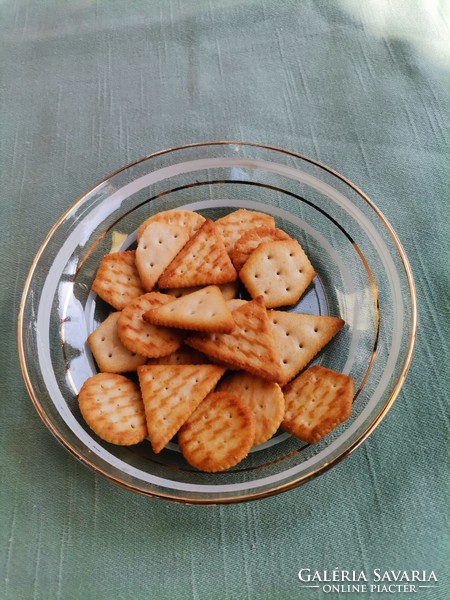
(144, 338)
(229, 290)
(317, 401)
(250, 240)
(117, 279)
(232, 226)
(299, 337)
(219, 433)
(279, 271)
(264, 398)
(203, 310)
(170, 394)
(112, 406)
(187, 219)
(202, 261)
(182, 356)
(110, 354)
(158, 246)
(250, 346)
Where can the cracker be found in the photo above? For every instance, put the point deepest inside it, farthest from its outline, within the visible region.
(203, 310)
(279, 271)
(219, 434)
(250, 346)
(112, 406)
(171, 393)
(250, 240)
(187, 219)
(317, 401)
(202, 261)
(229, 290)
(158, 246)
(298, 338)
(182, 356)
(264, 398)
(144, 338)
(232, 226)
(110, 354)
(235, 303)
(117, 280)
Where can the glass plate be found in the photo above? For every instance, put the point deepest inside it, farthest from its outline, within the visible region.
(363, 276)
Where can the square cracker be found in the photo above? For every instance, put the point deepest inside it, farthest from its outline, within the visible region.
(279, 271)
(202, 261)
(250, 346)
(232, 226)
(203, 310)
(117, 279)
(110, 354)
(299, 337)
(158, 246)
(317, 401)
(171, 393)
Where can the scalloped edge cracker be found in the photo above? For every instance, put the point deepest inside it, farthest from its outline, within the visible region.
(111, 405)
(144, 338)
(251, 239)
(232, 226)
(218, 434)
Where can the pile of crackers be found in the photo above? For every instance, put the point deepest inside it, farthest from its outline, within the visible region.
(218, 372)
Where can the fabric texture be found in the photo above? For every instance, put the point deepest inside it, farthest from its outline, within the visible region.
(363, 87)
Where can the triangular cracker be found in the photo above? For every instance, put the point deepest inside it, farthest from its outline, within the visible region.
(298, 338)
(233, 225)
(250, 346)
(117, 280)
(317, 401)
(171, 393)
(202, 261)
(158, 246)
(203, 310)
(187, 219)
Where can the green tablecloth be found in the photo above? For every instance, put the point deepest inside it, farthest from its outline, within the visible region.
(362, 86)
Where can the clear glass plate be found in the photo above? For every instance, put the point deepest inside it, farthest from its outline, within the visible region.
(363, 276)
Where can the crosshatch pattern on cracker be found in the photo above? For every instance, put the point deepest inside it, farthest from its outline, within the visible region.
(219, 434)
